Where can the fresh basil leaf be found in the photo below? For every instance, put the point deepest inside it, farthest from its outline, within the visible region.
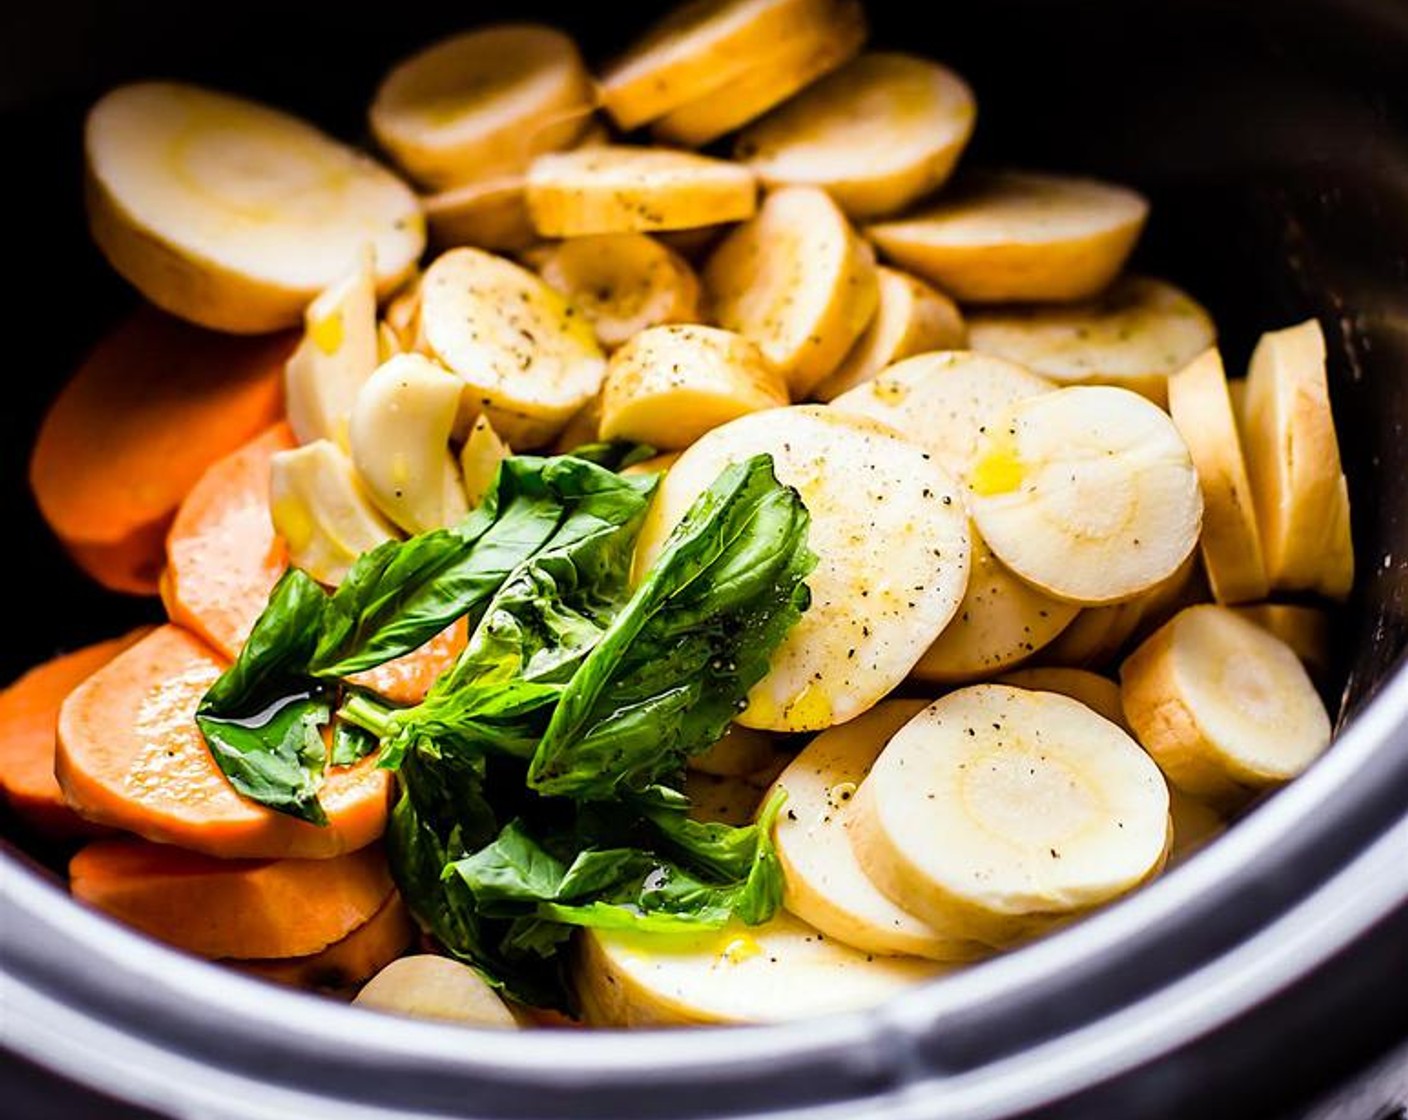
(614, 455)
(351, 743)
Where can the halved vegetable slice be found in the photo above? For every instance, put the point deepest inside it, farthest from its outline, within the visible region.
(430, 987)
(482, 104)
(1100, 694)
(911, 318)
(1009, 237)
(825, 883)
(1089, 493)
(1135, 336)
(1222, 705)
(798, 282)
(1005, 810)
(669, 385)
(888, 526)
(232, 214)
(881, 132)
(619, 189)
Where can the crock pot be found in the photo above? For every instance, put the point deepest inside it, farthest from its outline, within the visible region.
(1272, 136)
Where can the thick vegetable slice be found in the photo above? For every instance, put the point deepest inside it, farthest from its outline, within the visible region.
(344, 964)
(1135, 336)
(669, 385)
(825, 883)
(700, 49)
(740, 752)
(430, 987)
(482, 104)
(779, 972)
(798, 282)
(229, 907)
(947, 820)
(152, 406)
(1100, 694)
(1089, 493)
(1231, 541)
(624, 283)
(912, 318)
(773, 74)
(489, 214)
(222, 556)
(1194, 824)
(888, 525)
(619, 189)
(877, 134)
(130, 755)
(29, 718)
(726, 800)
(1005, 237)
(400, 436)
(1222, 705)
(232, 214)
(1001, 621)
(1309, 631)
(1293, 459)
(528, 359)
(407, 679)
(945, 401)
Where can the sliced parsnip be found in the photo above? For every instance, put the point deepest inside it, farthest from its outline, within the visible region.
(656, 464)
(480, 457)
(584, 427)
(338, 353)
(1222, 705)
(772, 75)
(1194, 824)
(1089, 493)
(400, 428)
(1231, 541)
(798, 282)
(488, 214)
(402, 315)
(879, 133)
(527, 358)
(1001, 621)
(482, 104)
(944, 401)
(825, 883)
(1003, 810)
(741, 751)
(232, 214)
(430, 987)
(388, 343)
(701, 48)
(911, 318)
(1100, 694)
(619, 189)
(1135, 335)
(669, 385)
(781, 971)
(1293, 459)
(888, 526)
(321, 511)
(623, 282)
(722, 799)
(1008, 237)
(1309, 631)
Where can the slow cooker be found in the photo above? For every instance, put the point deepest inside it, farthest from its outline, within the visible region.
(1272, 137)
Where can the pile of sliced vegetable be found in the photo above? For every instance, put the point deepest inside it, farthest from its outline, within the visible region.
(644, 607)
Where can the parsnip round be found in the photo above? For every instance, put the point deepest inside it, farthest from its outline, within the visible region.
(1100, 694)
(1135, 335)
(888, 527)
(1001, 621)
(527, 358)
(656, 464)
(1194, 824)
(944, 401)
(1009, 237)
(400, 429)
(402, 314)
(825, 884)
(488, 214)
(321, 511)
(669, 385)
(1231, 541)
(1293, 460)
(1223, 706)
(1006, 810)
(741, 751)
(881, 132)
(620, 189)
(623, 282)
(430, 987)
(482, 104)
(1089, 493)
(584, 427)
(722, 798)
(781, 971)
(232, 214)
(911, 318)
(1309, 631)
(798, 282)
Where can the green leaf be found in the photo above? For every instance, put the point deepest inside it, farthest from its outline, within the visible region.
(351, 743)
(614, 455)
